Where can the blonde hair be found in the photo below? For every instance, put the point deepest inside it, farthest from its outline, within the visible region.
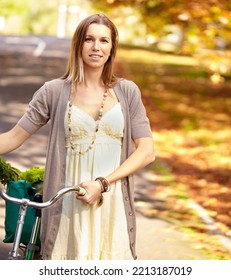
(74, 71)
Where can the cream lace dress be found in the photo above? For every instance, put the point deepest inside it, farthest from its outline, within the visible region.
(89, 232)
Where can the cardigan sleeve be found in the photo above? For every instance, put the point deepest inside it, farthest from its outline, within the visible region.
(38, 113)
(140, 125)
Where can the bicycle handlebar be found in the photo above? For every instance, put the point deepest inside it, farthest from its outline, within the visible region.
(38, 205)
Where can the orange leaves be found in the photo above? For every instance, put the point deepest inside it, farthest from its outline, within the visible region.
(190, 118)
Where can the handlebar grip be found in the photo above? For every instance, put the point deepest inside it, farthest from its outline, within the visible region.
(81, 191)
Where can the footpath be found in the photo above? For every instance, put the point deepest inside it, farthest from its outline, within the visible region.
(22, 76)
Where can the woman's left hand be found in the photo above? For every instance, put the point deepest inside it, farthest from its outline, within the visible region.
(93, 192)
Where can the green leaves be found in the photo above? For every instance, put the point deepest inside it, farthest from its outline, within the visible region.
(12, 7)
(33, 175)
(7, 172)
(10, 173)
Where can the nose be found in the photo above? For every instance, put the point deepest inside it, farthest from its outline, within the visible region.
(95, 46)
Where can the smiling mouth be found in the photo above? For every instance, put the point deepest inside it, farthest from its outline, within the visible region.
(95, 56)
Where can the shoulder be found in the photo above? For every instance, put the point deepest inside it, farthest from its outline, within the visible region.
(127, 88)
(55, 84)
(54, 88)
(51, 91)
(50, 86)
(126, 84)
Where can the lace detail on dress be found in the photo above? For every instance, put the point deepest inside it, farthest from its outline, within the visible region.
(111, 125)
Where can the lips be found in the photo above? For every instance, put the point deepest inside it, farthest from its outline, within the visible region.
(95, 56)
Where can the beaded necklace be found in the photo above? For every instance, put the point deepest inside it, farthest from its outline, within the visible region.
(100, 114)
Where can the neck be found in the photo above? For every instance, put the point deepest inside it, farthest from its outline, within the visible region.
(93, 79)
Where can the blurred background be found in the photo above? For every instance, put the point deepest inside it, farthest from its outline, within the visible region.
(179, 53)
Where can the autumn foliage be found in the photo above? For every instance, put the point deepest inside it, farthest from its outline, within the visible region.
(190, 118)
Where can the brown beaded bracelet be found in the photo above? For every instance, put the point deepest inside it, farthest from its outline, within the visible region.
(100, 200)
(105, 185)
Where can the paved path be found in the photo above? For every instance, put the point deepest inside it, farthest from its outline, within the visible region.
(24, 72)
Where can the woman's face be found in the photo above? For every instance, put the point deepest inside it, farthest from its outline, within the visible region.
(97, 46)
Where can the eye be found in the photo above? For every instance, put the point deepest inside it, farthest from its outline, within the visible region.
(88, 39)
(105, 40)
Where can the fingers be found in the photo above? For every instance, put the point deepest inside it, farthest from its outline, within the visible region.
(89, 192)
(86, 199)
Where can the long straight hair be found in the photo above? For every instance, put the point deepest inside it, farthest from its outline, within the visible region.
(75, 71)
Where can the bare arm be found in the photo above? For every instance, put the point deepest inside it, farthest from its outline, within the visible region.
(142, 156)
(13, 139)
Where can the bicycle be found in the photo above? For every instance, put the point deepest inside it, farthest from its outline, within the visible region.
(31, 248)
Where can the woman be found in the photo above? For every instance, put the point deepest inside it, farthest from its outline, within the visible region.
(99, 137)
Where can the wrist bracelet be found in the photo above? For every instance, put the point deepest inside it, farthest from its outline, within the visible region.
(100, 200)
(105, 185)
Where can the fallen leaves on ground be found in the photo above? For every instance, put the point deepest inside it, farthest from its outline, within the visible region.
(190, 117)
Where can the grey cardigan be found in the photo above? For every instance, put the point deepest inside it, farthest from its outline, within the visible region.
(49, 103)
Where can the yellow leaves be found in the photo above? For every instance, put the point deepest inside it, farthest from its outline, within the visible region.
(191, 129)
(216, 9)
(203, 148)
(210, 202)
(224, 228)
(201, 183)
(224, 189)
(210, 245)
(148, 57)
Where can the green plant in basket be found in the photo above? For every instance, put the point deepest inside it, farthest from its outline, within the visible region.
(7, 172)
(20, 185)
(34, 176)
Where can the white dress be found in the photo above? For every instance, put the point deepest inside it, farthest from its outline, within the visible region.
(89, 232)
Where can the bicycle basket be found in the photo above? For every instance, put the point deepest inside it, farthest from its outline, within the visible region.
(18, 189)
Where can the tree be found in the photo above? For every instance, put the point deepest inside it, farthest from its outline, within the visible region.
(210, 20)
(12, 7)
(30, 16)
